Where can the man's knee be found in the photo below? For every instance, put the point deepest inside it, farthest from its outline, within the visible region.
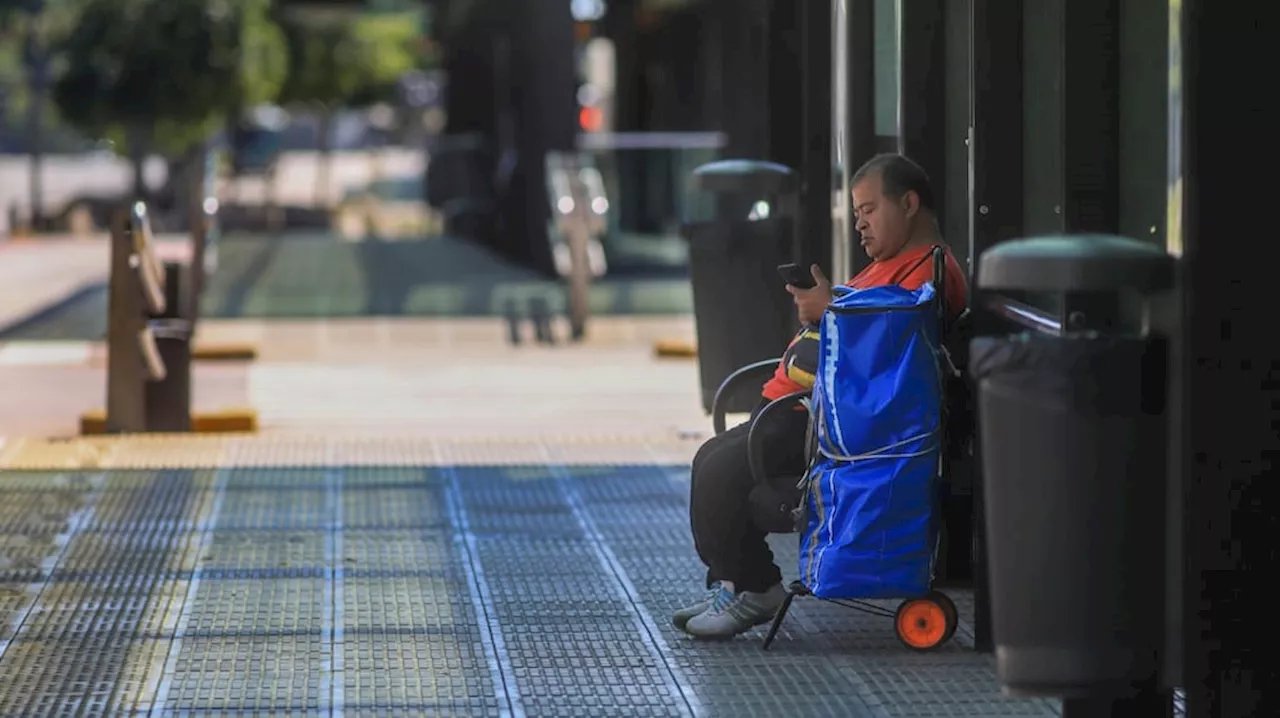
(700, 456)
(722, 467)
(719, 443)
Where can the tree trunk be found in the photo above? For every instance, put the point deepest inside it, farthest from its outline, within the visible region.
(193, 202)
(179, 185)
(139, 176)
(38, 84)
(36, 179)
(138, 140)
(324, 158)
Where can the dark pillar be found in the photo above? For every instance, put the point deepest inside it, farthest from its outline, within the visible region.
(1040, 132)
(995, 145)
(619, 25)
(710, 67)
(814, 231)
(1071, 133)
(467, 42)
(744, 69)
(860, 125)
(469, 94)
(996, 215)
(958, 80)
(1229, 432)
(540, 96)
(922, 98)
(1091, 115)
(1090, 140)
(784, 108)
(681, 91)
(1143, 172)
(630, 110)
(1071, 136)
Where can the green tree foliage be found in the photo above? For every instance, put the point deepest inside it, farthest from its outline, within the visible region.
(19, 26)
(345, 61)
(165, 73)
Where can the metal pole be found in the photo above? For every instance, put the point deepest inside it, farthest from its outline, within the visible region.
(814, 240)
(578, 236)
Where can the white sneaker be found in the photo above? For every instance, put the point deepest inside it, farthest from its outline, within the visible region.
(730, 614)
(681, 617)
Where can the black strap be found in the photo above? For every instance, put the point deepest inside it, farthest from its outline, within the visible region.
(916, 266)
(938, 254)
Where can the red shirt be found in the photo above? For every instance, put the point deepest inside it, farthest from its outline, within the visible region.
(911, 269)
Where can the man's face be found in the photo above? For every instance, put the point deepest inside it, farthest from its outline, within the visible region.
(884, 223)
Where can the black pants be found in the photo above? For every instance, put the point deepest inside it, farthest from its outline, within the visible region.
(728, 541)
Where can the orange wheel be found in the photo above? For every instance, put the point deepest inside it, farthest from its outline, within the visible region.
(923, 624)
(949, 606)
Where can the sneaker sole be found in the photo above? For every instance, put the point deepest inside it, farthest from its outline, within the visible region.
(681, 621)
(726, 637)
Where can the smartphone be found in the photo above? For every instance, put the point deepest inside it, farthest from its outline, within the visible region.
(796, 276)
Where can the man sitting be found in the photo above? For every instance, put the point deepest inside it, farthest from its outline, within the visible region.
(894, 207)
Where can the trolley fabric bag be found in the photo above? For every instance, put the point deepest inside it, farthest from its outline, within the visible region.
(868, 529)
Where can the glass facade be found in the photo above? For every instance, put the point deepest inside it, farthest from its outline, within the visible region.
(1088, 104)
(888, 74)
(1096, 142)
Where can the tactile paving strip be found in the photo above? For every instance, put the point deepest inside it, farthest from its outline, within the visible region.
(278, 452)
(457, 590)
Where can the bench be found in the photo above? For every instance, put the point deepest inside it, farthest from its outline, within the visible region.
(148, 381)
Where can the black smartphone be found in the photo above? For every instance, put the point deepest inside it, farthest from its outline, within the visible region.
(796, 276)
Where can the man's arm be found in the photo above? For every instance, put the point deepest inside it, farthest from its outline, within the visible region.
(811, 303)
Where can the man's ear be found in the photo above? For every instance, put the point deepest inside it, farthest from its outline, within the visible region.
(911, 203)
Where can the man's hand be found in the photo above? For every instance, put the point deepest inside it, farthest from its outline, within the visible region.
(811, 303)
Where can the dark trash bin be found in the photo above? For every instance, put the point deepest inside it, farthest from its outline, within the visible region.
(741, 229)
(1073, 443)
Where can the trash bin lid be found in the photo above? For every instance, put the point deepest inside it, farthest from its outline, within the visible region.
(747, 176)
(1076, 263)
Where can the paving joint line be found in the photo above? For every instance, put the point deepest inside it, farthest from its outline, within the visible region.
(206, 529)
(500, 669)
(640, 615)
